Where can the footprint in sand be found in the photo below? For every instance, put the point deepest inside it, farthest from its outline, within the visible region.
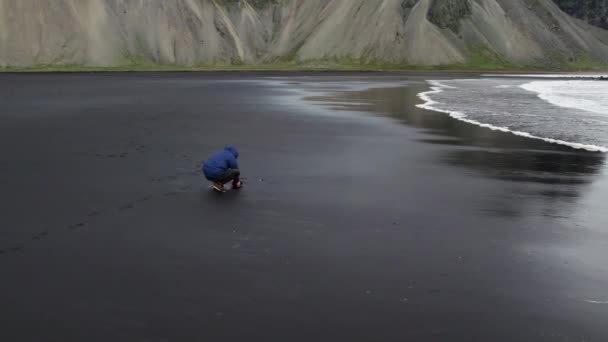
(94, 213)
(127, 206)
(76, 225)
(143, 199)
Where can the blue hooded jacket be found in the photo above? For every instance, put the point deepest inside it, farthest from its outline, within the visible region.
(219, 162)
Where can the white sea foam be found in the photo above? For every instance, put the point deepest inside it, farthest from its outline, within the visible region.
(590, 96)
(596, 301)
(438, 87)
(591, 76)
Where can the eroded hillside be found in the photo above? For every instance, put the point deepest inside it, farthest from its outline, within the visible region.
(194, 32)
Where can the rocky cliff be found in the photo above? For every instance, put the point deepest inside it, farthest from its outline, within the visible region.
(594, 12)
(194, 32)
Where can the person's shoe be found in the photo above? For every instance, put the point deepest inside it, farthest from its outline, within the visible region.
(237, 185)
(217, 186)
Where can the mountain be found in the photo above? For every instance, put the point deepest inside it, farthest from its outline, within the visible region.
(595, 12)
(195, 32)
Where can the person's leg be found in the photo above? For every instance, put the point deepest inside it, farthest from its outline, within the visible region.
(230, 175)
(236, 182)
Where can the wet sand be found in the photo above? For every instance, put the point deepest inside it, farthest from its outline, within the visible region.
(363, 217)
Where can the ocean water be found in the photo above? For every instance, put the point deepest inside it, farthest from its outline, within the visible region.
(569, 110)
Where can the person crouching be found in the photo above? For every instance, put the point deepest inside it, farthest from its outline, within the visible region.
(222, 168)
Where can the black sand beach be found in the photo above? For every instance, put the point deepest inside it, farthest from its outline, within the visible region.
(363, 218)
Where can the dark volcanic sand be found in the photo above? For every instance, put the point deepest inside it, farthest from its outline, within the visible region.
(363, 218)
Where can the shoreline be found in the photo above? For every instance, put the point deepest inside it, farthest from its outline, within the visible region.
(288, 68)
(438, 87)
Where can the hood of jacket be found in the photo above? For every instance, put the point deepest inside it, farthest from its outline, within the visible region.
(232, 150)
